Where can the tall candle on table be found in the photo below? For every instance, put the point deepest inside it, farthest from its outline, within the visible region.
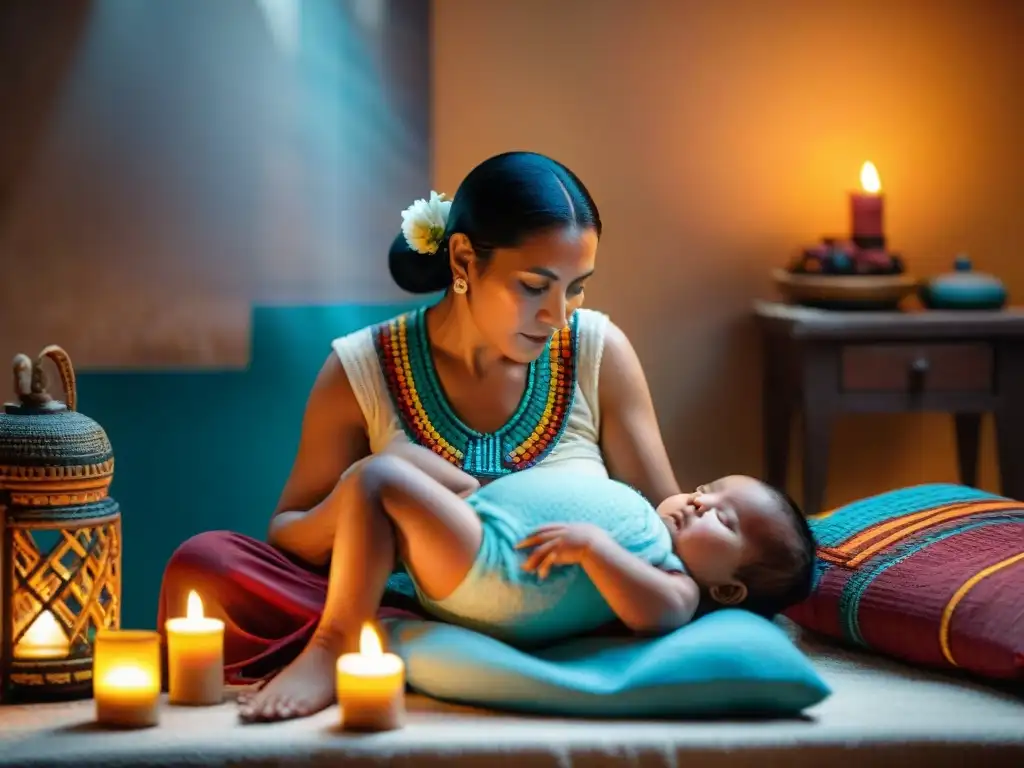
(371, 686)
(195, 657)
(126, 678)
(867, 209)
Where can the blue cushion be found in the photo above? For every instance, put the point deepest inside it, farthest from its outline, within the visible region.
(729, 662)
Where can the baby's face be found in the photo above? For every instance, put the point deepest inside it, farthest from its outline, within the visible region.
(719, 527)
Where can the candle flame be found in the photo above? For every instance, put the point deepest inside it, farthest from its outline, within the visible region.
(369, 642)
(128, 677)
(194, 610)
(44, 630)
(869, 179)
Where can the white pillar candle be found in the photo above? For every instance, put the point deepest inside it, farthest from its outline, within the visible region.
(195, 657)
(371, 686)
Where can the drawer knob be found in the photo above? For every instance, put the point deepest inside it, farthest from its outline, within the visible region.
(919, 366)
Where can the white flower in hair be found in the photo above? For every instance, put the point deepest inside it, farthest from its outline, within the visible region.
(424, 221)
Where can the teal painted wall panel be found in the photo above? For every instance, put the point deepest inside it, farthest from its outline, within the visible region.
(210, 450)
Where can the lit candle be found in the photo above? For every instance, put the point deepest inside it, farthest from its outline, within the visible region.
(195, 657)
(867, 222)
(371, 686)
(126, 678)
(44, 639)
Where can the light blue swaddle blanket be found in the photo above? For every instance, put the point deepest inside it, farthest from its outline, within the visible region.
(500, 599)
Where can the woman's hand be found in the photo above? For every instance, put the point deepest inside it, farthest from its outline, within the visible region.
(560, 544)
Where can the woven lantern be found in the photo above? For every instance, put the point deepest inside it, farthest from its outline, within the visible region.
(60, 551)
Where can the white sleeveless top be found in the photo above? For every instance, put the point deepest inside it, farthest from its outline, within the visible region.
(578, 447)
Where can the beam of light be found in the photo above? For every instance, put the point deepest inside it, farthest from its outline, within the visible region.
(284, 21)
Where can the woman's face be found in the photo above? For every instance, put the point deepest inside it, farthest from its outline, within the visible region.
(523, 295)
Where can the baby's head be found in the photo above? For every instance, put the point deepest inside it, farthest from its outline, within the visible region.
(744, 542)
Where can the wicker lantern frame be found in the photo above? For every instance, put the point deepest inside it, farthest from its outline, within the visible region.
(55, 472)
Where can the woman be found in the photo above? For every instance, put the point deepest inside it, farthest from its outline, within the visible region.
(505, 373)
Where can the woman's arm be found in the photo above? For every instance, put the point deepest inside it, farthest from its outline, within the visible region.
(631, 440)
(333, 440)
(332, 445)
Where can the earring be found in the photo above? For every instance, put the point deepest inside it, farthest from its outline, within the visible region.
(459, 285)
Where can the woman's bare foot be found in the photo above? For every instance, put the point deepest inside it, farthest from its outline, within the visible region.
(303, 688)
(244, 697)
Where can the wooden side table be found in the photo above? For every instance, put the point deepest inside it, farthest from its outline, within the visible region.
(825, 363)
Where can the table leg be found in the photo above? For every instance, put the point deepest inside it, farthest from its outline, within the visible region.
(777, 412)
(820, 395)
(968, 438)
(1009, 417)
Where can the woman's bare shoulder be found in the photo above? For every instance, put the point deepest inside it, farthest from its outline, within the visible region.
(332, 398)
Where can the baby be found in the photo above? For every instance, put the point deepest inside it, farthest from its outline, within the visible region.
(538, 556)
(545, 554)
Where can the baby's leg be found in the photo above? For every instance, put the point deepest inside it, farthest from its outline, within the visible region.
(439, 534)
(400, 506)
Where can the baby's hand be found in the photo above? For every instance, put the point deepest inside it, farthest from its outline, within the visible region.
(559, 544)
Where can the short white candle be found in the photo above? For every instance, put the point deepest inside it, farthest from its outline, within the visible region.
(371, 686)
(195, 657)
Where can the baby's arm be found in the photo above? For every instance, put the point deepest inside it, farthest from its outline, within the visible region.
(644, 597)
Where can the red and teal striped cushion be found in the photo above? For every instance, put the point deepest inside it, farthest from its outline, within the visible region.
(931, 574)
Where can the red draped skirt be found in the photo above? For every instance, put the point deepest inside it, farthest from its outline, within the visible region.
(270, 602)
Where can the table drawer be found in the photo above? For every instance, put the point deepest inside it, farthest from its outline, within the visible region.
(917, 367)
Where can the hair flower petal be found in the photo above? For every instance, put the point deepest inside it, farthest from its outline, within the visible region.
(423, 223)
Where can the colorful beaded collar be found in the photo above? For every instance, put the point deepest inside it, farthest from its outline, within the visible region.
(531, 433)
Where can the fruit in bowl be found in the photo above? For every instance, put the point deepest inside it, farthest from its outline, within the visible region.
(837, 274)
(843, 257)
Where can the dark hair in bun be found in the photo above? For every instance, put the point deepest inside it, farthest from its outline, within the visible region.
(502, 202)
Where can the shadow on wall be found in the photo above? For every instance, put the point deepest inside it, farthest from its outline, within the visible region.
(210, 450)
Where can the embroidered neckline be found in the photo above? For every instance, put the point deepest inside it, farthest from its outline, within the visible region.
(427, 417)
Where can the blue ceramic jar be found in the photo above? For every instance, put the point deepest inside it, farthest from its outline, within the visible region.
(963, 288)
